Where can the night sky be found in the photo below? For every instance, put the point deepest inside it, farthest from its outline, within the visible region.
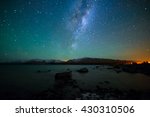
(66, 29)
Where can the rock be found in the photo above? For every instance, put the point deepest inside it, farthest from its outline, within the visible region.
(90, 96)
(118, 70)
(63, 76)
(38, 71)
(117, 67)
(68, 69)
(106, 82)
(110, 68)
(83, 70)
(71, 93)
(101, 83)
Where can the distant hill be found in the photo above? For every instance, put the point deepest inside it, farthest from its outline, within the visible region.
(97, 61)
(72, 61)
(40, 61)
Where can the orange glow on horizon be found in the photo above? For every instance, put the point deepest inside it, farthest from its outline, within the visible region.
(139, 62)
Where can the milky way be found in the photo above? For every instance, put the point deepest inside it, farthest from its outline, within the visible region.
(80, 20)
(67, 29)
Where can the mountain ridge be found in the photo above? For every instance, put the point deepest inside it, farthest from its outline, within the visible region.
(85, 60)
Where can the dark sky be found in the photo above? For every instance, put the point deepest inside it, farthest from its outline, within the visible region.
(66, 29)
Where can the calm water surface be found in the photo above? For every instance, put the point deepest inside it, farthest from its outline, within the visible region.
(25, 80)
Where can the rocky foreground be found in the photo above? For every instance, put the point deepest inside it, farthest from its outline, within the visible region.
(65, 88)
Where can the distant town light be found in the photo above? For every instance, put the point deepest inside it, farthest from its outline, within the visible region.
(139, 62)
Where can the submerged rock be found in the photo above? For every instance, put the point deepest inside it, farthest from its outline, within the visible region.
(83, 70)
(118, 70)
(63, 76)
(117, 67)
(68, 70)
(38, 71)
(106, 82)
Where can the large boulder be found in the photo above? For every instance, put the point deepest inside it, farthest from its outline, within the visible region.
(63, 76)
(83, 70)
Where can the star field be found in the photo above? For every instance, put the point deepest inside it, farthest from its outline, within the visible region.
(66, 29)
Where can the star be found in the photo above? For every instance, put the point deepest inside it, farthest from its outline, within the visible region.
(80, 19)
(74, 28)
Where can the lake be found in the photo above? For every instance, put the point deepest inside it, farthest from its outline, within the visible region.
(22, 81)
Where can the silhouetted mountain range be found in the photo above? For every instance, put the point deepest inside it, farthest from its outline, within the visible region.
(97, 61)
(72, 61)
